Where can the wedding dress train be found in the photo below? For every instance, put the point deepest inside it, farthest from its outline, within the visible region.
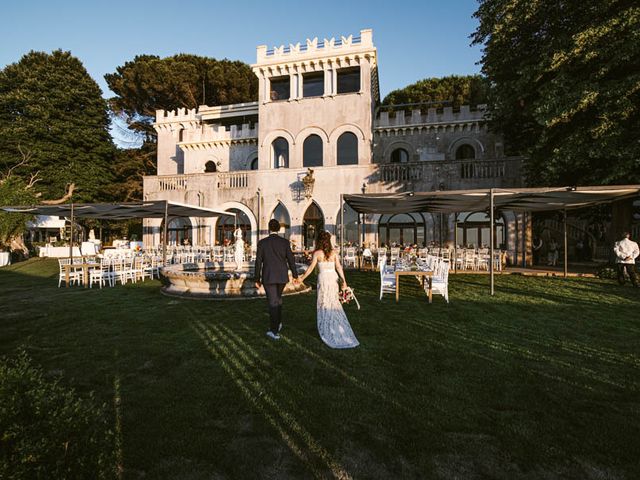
(333, 326)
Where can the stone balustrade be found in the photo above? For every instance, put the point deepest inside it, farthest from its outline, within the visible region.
(456, 174)
(423, 176)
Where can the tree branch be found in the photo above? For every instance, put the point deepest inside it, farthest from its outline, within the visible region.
(62, 199)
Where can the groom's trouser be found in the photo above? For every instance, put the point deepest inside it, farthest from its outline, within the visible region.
(274, 298)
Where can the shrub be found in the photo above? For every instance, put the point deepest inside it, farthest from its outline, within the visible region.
(47, 431)
(608, 272)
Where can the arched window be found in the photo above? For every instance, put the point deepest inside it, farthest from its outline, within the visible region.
(280, 153)
(465, 152)
(402, 229)
(178, 231)
(399, 155)
(254, 164)
(312, 151)
(210, 167)
(227, 225)
(312, 225)
(473, 230)
(281, 214)
(347, 149)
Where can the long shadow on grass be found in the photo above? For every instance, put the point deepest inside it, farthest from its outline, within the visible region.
(358, 383)
(267, 400)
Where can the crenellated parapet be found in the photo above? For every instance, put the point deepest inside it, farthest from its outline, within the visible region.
(215, 135)
(193, 119)
(447, 118)
(314, 55)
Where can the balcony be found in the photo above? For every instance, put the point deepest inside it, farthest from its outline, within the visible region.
(418, 176)
(454, 174)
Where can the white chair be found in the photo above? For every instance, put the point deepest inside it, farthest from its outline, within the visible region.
(395, 254)
(350, 258)
(101, 274)
(137, 269)
(387, 278)
(382, 254)
(367, 257)
(75, 275)
(459, 260)
(122, 270)
(151, 267)
(470, 260)
(440, 281)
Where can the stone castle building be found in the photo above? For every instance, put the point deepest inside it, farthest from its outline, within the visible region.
(319, 108)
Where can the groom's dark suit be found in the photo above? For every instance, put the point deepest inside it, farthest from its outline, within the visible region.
(273, 261)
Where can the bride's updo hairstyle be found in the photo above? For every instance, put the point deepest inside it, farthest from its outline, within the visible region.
(324, 243)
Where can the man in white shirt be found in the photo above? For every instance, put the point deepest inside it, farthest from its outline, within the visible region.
(626, 252)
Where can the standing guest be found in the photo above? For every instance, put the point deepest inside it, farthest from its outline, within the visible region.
(626, 251)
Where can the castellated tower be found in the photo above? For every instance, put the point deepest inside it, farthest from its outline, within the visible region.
(310, 95)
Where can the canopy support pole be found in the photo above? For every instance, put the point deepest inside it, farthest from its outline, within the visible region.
(492, 239)
(165, 234)
(564, 221)
(71, 235)
(455, 242)
(342, 229)
(525, 218)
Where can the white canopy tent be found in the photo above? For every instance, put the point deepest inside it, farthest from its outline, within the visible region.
(121, 211)
(515, 199)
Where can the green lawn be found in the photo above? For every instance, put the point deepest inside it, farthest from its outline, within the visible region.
(540, 381)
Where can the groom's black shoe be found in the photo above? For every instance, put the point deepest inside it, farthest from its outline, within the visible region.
(273, 336)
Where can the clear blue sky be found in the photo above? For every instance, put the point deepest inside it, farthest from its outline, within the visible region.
(415, 39)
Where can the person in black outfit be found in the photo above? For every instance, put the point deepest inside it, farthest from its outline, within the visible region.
(273, 260)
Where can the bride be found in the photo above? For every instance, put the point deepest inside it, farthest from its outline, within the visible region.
(333, 326)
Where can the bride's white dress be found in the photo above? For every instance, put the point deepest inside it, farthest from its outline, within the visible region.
(333, 326)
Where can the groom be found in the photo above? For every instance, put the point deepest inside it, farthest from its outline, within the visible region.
(273, 260)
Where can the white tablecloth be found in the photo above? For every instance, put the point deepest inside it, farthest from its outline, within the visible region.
(58, 252)
(5, 259)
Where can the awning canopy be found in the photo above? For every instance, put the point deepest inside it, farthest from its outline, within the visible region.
(516, 199)
(120, 211)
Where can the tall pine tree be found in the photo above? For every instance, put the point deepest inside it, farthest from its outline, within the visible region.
(53, 110)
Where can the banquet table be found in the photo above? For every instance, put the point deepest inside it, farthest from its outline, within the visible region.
(425, 276)
(5, 258)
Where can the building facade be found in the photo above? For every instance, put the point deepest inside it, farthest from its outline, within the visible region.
(318, 109)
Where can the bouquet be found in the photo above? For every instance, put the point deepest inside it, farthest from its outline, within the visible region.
(346, 295)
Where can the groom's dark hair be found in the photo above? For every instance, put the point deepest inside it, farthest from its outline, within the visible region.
(274, 225)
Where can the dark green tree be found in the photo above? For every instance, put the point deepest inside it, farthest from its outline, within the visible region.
(52, 108)
(129, 166)
(565, 92)
(149, 83)
(457, 89)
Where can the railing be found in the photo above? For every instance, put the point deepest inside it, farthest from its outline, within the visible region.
(231, 181)
(452, 170)
(172, 182)
(480, 169)
(403, 173)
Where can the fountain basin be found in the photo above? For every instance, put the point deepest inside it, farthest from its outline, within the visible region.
(218, 281)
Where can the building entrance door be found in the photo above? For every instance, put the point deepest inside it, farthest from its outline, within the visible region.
(312, 225)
